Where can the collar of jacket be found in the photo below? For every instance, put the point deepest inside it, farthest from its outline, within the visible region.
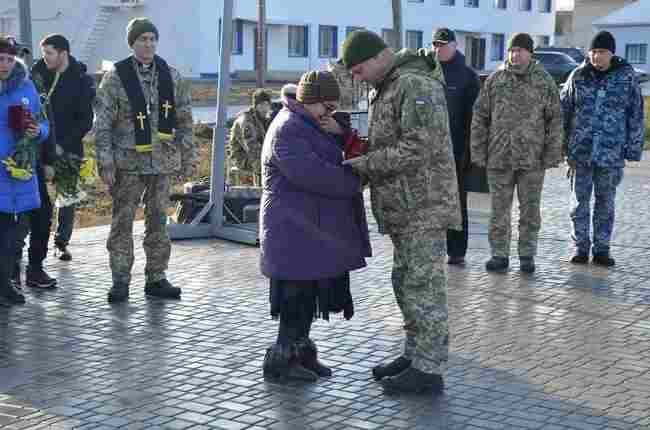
(586, 69)
(17, 78)
(515, 70)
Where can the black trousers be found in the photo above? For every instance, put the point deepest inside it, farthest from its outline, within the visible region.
(457, 240)
(298, 310)
(8, 232)
(38, 224)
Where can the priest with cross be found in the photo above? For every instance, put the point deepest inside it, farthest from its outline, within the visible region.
(143, 137)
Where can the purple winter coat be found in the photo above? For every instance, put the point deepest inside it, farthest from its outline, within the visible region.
(312, 220)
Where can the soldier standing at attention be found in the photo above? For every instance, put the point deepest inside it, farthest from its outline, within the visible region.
(410, 168)
(144, 135)
(517, 134)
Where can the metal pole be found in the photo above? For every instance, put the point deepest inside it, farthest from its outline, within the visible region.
(397, 23)
(26, 23)
(261, 43)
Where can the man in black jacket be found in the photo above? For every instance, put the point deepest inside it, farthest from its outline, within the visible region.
(68, 92)
(462, 89)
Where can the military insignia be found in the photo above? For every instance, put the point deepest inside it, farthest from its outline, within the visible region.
(423, 101)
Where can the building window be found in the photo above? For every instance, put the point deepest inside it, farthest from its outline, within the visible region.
(636, 53)
(413, 39)
(543, 41)
(498, 47)
(501, 4)
(238, 37)
(387, 35)
(298, 41)
(448, 2)
(327, 41)
(545, 6)
(416, 1)
(471, 3)
(526, 5)
(349, 30)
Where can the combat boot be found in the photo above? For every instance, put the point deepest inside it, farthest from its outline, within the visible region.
(497, 264)
(580, 259)
(162, 289)
(603, 260)
(527, 264)
(119, 292)
(281, 363)
(393, 368)
(415, 381)
(309, 358)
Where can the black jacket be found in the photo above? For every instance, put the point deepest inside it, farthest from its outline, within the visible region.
(462, 89)
(71, 102)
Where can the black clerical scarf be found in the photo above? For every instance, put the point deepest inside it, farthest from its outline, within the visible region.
(166, 106)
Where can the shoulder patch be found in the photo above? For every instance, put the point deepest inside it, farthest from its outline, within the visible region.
(422, 100)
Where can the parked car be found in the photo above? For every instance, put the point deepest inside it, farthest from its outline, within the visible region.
(577, 54)
(558, 64)
(642, 75)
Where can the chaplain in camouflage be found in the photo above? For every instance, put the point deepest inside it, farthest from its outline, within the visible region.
(603, 121)
(246, 139)
(517, 134)
(143, 137)
(410, 168)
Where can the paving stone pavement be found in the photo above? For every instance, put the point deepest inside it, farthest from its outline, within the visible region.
(566, 348)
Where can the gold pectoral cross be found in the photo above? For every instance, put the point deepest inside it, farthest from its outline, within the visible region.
(141, 117)
(167, 107)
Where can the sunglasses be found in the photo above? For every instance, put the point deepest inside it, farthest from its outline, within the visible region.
(439, 44)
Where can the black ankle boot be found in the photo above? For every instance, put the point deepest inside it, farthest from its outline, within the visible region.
(309, 359)
(118, 293)
(162, 289)
(393, 368)
(282, 363)
(413, 380)
(497, 264)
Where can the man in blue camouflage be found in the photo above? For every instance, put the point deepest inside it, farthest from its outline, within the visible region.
(603, 120)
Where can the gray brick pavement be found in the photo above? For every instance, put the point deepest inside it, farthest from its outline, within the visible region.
(566, 348)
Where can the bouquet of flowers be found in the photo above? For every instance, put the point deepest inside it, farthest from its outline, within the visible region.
(67, 168)
(19, 165)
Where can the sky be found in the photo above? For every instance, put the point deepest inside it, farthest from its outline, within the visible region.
(564, 4)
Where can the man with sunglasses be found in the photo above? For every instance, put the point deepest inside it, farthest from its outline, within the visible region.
(410, 168)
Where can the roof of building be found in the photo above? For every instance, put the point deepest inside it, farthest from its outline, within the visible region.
(637, 13)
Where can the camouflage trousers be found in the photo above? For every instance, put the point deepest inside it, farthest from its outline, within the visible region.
(128, 192)
(603, 181)
(420, 285)
(529, 185)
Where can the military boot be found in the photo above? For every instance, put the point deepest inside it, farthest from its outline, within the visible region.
(527, 264)
(603, 260)
(162, 289)
(497, 264)
(415, 381)
(309, 358)
(580, 259)
(393, 368)
(119, 292)
(282, 363)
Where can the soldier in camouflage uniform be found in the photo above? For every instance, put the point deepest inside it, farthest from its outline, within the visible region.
(603, 121)
(517, 135)
(352, 91)
(246, 139)
(410, 168)
(143, 136)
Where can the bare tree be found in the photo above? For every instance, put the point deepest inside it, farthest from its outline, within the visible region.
(261, 42)
(397, 24)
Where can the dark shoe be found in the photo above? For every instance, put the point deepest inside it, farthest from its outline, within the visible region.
(413, 380)
(497, 264)
(393, 368)
(37, 278)
(309, 359)
(580, 259)
(527, 264)
(603, 260)
(118, 293)
(12, 296)
(63, 249)
(456, 261)
(15, 278)
(162, 289)
(280, 364)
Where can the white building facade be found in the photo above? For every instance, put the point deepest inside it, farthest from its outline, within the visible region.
(301, 34)
(631, 29)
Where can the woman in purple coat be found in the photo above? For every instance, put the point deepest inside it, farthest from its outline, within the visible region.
(313, 227)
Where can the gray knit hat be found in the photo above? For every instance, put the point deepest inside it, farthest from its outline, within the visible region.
(317, 87)
(138, 26)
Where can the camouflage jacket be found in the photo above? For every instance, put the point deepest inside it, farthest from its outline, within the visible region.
(115, 134)
(352, 91)
(517, 122)
(603, 118)
(246, 139)
(410, 163)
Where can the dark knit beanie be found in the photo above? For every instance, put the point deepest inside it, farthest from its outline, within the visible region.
(8, 45)
(521, 40)
(138, 26)
(603, 40)
(260, 96)
(360, 46)
(317, 87)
